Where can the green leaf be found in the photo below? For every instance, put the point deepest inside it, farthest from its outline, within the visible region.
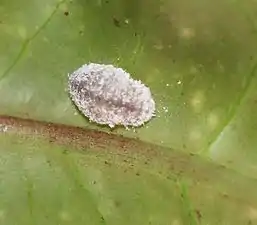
(195, 163)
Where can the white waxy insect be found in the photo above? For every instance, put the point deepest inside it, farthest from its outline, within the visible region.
(109, 96)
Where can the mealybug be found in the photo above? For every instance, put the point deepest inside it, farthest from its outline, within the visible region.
(108, 95)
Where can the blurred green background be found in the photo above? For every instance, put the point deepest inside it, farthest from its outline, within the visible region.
(199, 60)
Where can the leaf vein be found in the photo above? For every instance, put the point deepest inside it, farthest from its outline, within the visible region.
(233, 110)
(29, 40)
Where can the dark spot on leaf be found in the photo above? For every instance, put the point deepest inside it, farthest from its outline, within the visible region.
(106, 162)
(173, 60)
(117, 203)
(66, 13)
(200, 67)
(146, 162)
(49, 162)
(116, 22)
(102, 218)
(106, 1)
(229, 161)
(94, 182)
(138, 174)
(198, 214)
(65, 151)
(135, 34)
(222, 166)
(224, 195)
